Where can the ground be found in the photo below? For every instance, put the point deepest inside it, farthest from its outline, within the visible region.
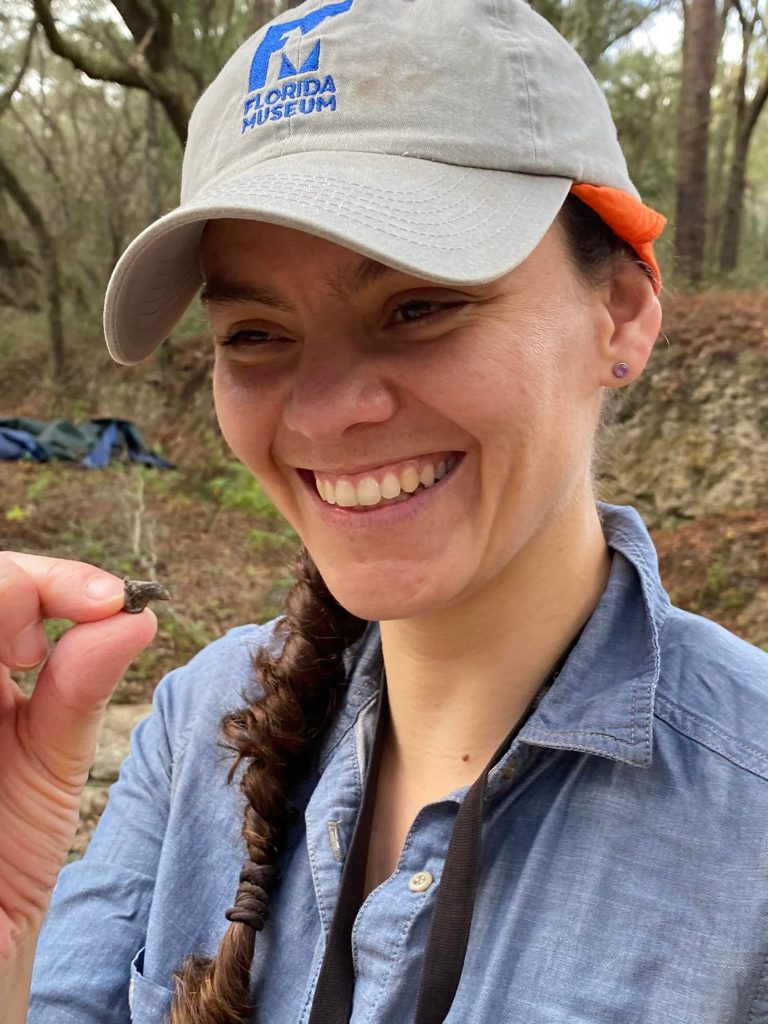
(212, 540)
(688, 448)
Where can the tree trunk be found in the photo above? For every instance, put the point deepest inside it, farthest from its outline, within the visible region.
(48, 259)
(734, 204)
(720, 137)
(153, 153)
(700, 43)
(154, 66)
(748, 115)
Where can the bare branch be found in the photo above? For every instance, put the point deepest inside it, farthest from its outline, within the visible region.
(755, 108)
(736, 5)
(195, 73)
(48, 258)
(132, 70)
(137, 19)
(164, 24)
(92, 65)
(53, 124)
(629, 27)
(151, 25)
(41, 151)
(7, 96)
(137, 58)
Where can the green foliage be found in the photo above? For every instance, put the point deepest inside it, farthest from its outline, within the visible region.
(76, 537)
(193, 326)
(188, 634)
(15, 514)
(720, 592)
(642, 90)
(98, 188)
(274, 601)
(717, 577)
(186, 485)
(238, 488)
(20, 329)
(594, 26)
(671, 523)
(55, 629)
(181, 634)
(271, 545)
(40, 484)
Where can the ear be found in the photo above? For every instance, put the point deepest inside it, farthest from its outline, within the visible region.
(631, 317)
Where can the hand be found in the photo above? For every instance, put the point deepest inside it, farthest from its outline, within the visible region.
(48, 740)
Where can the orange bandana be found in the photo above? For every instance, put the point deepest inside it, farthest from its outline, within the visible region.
(634, 222)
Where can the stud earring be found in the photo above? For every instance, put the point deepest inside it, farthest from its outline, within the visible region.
(621, 370)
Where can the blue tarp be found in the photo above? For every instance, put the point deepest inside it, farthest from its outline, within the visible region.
(92, 444)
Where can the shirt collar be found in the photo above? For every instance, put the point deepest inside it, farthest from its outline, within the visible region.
(602, 700)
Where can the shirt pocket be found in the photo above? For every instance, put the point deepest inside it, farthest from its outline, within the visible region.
(149, 1002)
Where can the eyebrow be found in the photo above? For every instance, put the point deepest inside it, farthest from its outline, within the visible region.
(344, 282)
(350, 280)
(220, 292)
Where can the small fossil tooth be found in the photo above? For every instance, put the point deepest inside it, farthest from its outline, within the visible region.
(138, 594)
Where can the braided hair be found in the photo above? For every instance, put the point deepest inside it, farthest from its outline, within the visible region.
(277, 733)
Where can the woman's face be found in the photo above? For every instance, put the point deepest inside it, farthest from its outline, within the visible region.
(333, 368)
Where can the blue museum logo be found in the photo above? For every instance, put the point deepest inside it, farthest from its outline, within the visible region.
(298, 91)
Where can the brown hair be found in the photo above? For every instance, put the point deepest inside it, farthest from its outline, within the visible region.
(276, 733)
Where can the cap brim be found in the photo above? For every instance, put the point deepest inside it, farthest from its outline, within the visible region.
(449, 224)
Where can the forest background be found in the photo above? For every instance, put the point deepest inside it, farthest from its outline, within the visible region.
(94, 102)
(97, 95)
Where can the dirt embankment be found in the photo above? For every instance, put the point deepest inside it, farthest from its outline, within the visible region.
(689, 448)
(691, 436)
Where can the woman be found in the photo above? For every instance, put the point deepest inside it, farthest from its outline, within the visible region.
(489, 772)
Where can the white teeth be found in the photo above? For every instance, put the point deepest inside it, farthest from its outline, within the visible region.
(345, 494)
(390, 486)
(369, 492)
(409, 479)
(427, 476)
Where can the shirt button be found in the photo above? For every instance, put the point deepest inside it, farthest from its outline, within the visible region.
(420, 882)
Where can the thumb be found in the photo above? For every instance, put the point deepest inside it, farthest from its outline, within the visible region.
(60, 722)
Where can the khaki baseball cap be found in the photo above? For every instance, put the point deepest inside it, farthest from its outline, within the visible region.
(440, 137)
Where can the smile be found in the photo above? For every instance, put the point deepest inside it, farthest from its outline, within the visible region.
(388, 485)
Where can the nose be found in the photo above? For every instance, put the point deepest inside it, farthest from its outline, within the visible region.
(335, 388)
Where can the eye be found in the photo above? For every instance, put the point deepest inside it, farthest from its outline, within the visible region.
(418, 310)
(251, 337)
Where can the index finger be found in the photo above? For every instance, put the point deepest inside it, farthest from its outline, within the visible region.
(69, 589)
(35, 587)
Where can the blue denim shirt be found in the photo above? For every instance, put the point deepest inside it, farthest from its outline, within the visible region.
(624, 876)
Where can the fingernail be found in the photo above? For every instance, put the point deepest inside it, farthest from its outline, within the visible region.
(104, 588)
(30, 647)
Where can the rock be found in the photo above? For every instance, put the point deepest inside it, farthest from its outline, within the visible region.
(93, 801)
(690, 439)
(114, 738)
